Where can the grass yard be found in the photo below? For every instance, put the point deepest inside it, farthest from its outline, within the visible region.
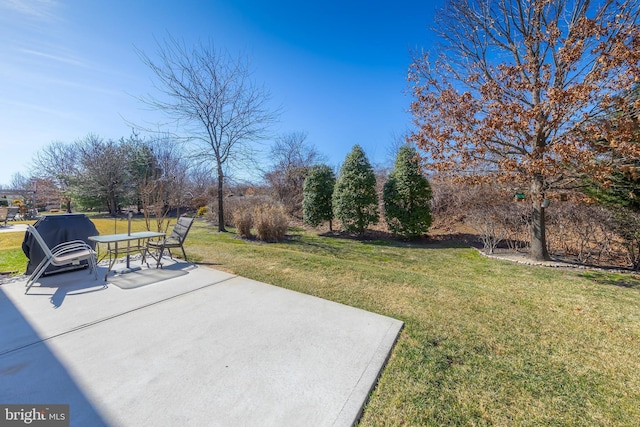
(485, 342)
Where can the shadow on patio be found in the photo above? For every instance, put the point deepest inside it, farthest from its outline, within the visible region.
(29, 365)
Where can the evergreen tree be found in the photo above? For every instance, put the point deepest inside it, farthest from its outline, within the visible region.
(355, 201)
(407, 194)
(621, 188)
(620, 193)
(317, 193)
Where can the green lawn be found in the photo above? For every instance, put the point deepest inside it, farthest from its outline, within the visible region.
(485, 342)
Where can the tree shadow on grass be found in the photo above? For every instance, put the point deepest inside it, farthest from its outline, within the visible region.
(626, 280)
(298, 236)
(382, 238)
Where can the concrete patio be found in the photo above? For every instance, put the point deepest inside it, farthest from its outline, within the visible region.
(188, 345)
(12, 228)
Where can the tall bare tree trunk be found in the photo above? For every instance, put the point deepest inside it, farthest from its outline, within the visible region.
(538, 250)
(220, 199)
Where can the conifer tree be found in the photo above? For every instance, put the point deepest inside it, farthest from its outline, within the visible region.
(317, 192)
(407, 194)
(355, 201)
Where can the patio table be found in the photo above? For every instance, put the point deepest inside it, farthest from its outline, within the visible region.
(114, 249)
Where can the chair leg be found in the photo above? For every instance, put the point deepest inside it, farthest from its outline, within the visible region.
(183, 253)
(160, 253)
(38, 271)
(35, 271)
(93, 265)
(36, 274)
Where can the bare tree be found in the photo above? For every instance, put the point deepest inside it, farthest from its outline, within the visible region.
(202, 186)
(522, 89)
(398, 140)
(292, 158)
(19, 181)
(46, 193)
(159, 177)
(58, 162)
(103, 179)
(211, 96)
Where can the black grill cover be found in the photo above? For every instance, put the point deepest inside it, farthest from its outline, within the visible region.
(56, 229)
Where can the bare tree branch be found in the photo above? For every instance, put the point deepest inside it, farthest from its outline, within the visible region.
(210, 95)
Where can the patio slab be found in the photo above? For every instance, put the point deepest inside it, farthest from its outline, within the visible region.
(201, 347)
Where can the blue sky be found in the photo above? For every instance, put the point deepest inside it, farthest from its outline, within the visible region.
(337, 68)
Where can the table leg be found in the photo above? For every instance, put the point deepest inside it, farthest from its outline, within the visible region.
(143, 251)
(113, 256)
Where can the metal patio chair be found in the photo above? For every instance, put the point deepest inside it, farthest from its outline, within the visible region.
(63, 254)
(175, 240)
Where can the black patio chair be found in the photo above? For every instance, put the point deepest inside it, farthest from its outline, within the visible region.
(175, 240)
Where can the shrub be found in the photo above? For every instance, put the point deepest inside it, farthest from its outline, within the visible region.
(486, 221)
(493, 214)
(626, 224)
(234, 203)
(270, 223)
(243, 221)
(202, 210)
(583, 230)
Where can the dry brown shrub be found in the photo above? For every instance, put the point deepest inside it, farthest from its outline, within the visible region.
(271, 222)
(243, 220)
(233, 202)
(580, 230)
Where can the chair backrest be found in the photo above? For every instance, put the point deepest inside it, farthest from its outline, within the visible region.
(43, 245)
(181, 228)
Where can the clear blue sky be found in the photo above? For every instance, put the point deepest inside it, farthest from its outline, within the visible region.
(337, 68)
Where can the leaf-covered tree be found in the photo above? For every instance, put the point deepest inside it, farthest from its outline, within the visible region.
(317, 196)
(407, 196)
(355, 200)
(210, 94)
(521, 89)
